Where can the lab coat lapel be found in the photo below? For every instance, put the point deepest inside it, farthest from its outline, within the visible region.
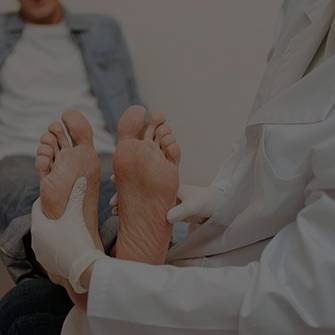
(294, 51)
(307, 101)
(304, 27)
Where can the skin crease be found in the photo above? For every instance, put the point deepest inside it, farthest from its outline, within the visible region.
(44, 12)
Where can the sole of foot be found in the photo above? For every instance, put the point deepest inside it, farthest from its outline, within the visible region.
(60, 163)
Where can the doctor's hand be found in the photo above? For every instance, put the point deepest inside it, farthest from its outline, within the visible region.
(64, 247)
(197, 204)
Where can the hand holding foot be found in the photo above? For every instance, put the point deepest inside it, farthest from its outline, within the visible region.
(71, 250)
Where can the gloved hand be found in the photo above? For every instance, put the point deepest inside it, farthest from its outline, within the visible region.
(114, 201)
(197, 204)
(64, 247)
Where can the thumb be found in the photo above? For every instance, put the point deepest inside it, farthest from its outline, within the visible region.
(185, 191)
(177, 214)
(37, 215)
(76, 199)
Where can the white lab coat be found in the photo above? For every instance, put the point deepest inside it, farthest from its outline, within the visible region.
(280, 182)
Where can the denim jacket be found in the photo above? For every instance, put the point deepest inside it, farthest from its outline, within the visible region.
(105, 56)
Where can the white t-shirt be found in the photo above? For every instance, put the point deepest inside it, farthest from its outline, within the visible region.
(44, 76)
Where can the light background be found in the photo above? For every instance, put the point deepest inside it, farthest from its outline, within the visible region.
(198, 61)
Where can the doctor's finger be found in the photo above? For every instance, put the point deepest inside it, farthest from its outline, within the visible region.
(115, 211)
(114, 200)
(37, 214)
(178, 214)
(184, 192)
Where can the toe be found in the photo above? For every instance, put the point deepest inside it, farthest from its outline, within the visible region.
(170, 149)
(131, 123)
(46, 150)
(50, 139)
(42, 165)
(166, 141)
(58, 130)
(173, 153)
(157, 120)
(78, 127)
(162, 131)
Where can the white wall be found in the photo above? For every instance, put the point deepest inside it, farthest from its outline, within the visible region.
(200, 62)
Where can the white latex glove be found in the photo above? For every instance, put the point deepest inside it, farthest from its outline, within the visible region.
(64, 247)
(197, 204)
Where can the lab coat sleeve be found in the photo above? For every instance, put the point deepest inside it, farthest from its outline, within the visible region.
(165, 297)
(290, 291)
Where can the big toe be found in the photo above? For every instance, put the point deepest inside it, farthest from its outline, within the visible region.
(132, 123)
(78, 127)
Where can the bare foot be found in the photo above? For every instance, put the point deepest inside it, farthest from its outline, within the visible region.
(60, 165)
(147, 182)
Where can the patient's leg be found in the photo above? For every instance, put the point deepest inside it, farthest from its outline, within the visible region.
(60, 165)
(147, 184)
